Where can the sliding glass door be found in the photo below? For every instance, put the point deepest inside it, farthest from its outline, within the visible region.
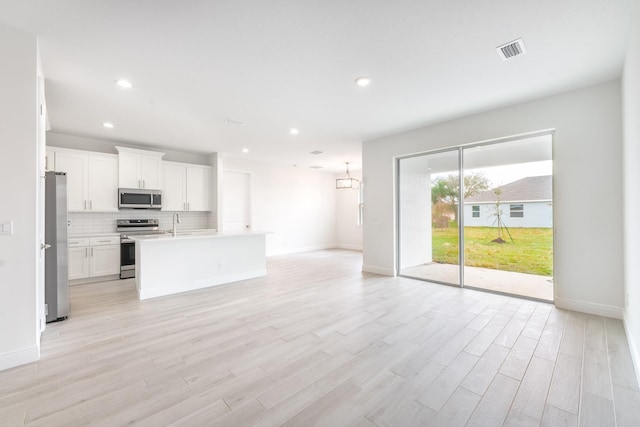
(427, 217)
(485, 207)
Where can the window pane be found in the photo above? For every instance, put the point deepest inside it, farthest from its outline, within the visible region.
(504, 249)
(516, 211)
(428, 217)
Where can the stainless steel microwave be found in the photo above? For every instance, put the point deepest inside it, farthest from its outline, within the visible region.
(135, 198)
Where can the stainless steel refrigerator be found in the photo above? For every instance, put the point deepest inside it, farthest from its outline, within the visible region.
(56, 282)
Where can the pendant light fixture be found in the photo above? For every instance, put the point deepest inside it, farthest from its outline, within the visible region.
(347, 182)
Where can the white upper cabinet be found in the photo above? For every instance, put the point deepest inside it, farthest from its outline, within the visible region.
(50, 159)
(129, 168)
(174, 187)
(103, 182)
(198, 188)
(186, 187)
(75, 165)
(92, 179)
(139, 168)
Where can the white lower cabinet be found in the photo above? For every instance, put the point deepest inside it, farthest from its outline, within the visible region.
(78, 262)
(105, 256)
(94, 257)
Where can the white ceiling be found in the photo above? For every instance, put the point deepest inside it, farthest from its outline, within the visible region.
(292, 63)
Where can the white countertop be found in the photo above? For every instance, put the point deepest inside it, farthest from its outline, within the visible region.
(80, 236)
(195, 234)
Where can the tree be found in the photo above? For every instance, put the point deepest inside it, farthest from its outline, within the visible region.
(441, 194)
(441, 191)
(497, 212)
(474, 183)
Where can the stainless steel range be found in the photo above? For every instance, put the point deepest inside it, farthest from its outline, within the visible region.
(133, 227)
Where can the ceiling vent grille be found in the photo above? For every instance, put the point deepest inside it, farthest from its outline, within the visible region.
(233, 120)
(511, 49)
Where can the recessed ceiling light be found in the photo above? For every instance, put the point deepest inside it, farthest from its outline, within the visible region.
(363, 81)
(108, 125)
(245, 150)
(293, 131)
(126, 84)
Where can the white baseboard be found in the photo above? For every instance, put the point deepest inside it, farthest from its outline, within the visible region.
(634, 348)
(590, 308)
(349, 247)
(88, 280)
(288, 251)
(376, 269)
(20, 357)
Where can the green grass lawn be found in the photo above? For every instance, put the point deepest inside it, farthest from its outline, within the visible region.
(530, 252)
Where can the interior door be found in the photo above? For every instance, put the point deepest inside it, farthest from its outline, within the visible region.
(41, 138)
(236, 200)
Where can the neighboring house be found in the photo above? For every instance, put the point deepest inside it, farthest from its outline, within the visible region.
(523, 203)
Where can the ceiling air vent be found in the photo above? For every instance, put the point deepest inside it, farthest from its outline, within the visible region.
(233, 120)
(511, 49)
(316, 152)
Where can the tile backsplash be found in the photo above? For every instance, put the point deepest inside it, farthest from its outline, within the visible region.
(105, 222)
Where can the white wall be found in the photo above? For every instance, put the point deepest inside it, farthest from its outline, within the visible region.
(348, 232)
(631, 104)
(18, 189)
(536, 214)
(296, 204)
(587, 172)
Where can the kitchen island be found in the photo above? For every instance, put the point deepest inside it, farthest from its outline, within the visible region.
(167, 264)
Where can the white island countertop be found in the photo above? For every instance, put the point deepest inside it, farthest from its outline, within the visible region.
(167, 264)
(195, 234)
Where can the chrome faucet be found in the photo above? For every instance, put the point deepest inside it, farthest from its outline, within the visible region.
(176, 219)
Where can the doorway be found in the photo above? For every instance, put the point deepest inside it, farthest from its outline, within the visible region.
(479, 216)
(236, 201)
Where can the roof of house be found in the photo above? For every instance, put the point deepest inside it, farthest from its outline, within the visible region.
(529, 188)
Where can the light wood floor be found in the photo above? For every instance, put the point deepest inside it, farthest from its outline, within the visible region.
(316, 342)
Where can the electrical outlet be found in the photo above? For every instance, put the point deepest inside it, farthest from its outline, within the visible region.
(6, 228)
(69, 223)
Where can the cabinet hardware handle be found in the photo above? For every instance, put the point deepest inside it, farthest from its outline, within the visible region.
(90, 205)
(91, 251)
(85, 205)
(104, 241)
(86, 252)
